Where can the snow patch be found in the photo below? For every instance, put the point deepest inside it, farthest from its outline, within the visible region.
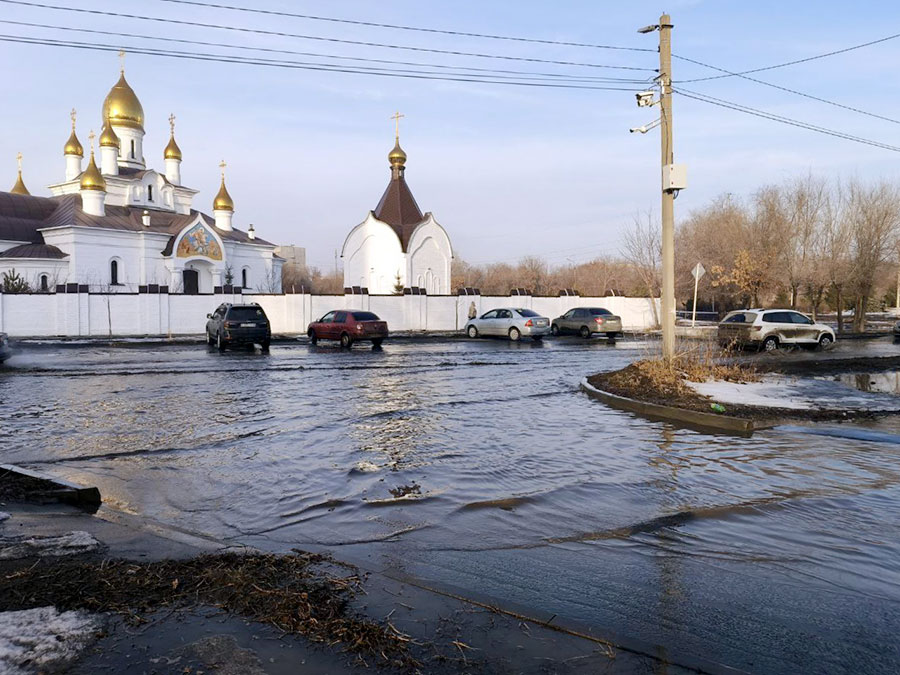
(70, 543)
(4, 516)
(43, 638)
(764, 394)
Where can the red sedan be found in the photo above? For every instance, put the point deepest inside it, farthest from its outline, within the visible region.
(348, 326)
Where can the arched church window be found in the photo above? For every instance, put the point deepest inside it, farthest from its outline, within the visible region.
(45, 283)
(113, 272)
(132, 148)
(245, 278)
(149, 193)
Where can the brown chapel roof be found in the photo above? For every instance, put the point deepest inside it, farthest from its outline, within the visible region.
(398, 208)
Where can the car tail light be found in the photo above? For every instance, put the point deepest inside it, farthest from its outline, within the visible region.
(231, 324)
(599, 319)
(529, 323)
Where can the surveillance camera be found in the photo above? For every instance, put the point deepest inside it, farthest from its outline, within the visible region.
(644, 99)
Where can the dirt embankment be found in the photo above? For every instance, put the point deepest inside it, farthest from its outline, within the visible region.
(650, 381)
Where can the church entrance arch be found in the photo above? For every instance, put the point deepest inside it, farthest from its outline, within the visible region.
(191, 282)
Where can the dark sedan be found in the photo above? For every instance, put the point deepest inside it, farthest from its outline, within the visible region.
(232, 325)
(348, 326)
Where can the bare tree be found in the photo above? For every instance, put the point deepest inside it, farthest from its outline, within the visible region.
(643, 249)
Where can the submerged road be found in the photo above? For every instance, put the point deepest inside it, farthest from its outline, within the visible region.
(478, 466)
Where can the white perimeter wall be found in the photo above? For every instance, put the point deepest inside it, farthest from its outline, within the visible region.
(124, 314)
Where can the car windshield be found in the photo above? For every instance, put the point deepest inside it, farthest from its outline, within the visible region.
(365, 316)
(526, 312)
(599, 311)
(245, 313)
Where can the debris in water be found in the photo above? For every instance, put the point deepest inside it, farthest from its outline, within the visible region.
(366, 467)
(402, 491)
(717, 407)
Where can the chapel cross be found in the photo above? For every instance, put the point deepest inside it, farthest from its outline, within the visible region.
(72, 115)
(122, 61)
(396, 117)
(91, 137)
(172, 122)
(19, 161)
(222, 166)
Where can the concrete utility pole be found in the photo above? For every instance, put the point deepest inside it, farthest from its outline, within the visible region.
(668, 195)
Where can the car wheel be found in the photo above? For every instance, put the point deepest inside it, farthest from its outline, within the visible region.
(770, 344)
(346, 340)
(514, 334)
(472, 332)
(825, 341)
(554, 329)
(376, 342)
(585, 332)
(220, 342)
(264, 345)
(209, 339)
(313, 338)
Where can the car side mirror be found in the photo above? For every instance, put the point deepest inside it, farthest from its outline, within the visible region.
(209, 316)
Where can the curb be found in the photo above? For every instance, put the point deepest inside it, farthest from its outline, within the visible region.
(688, 418)
(63, 491)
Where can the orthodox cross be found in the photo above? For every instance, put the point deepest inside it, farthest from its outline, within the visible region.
(222, 166)
(396, 117)
(91, 137)
(172, 123)
(72, 115)
(122, 61)
(19, 161)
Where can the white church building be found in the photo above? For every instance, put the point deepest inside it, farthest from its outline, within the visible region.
(397, 246)
(121, 226)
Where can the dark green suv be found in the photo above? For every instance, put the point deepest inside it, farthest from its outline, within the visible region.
(232, 325)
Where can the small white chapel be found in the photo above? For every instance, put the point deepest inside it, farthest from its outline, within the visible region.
(397, 247)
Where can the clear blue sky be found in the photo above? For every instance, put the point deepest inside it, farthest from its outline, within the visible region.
(509, 171)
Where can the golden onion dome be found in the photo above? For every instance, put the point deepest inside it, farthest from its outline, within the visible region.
(108, 138)
(172, 150)
(122, 107)
(396, 156)
(19, 188)
(223, 201)
(91, 178)
(73, 146)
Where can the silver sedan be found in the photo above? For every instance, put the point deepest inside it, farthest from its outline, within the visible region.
(511, 322)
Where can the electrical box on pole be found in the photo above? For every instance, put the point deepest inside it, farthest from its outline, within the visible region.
(674, 177)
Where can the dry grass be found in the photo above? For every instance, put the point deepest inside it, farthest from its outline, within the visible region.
(293, 593)
(667, 379)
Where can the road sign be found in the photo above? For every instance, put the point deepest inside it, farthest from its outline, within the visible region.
(698, 272)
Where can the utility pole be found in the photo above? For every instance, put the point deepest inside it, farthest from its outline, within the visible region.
(668, 195)
(673, 179)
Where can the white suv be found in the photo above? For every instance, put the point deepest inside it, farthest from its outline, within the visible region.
(769, 328)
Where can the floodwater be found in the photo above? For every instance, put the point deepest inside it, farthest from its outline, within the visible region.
(478, 465)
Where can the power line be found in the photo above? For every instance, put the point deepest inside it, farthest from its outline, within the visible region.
(794, 63)
(787, 89)
(783, 120)
(258, 31)
(299, 65)
(492, 71)
(419, 29)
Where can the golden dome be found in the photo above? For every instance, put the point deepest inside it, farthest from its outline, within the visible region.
(19, 188)
(396, 156)
(91, 178)
(223, 201)
(108, 138)
(73, 146)
(172, 150)
(121, 106)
